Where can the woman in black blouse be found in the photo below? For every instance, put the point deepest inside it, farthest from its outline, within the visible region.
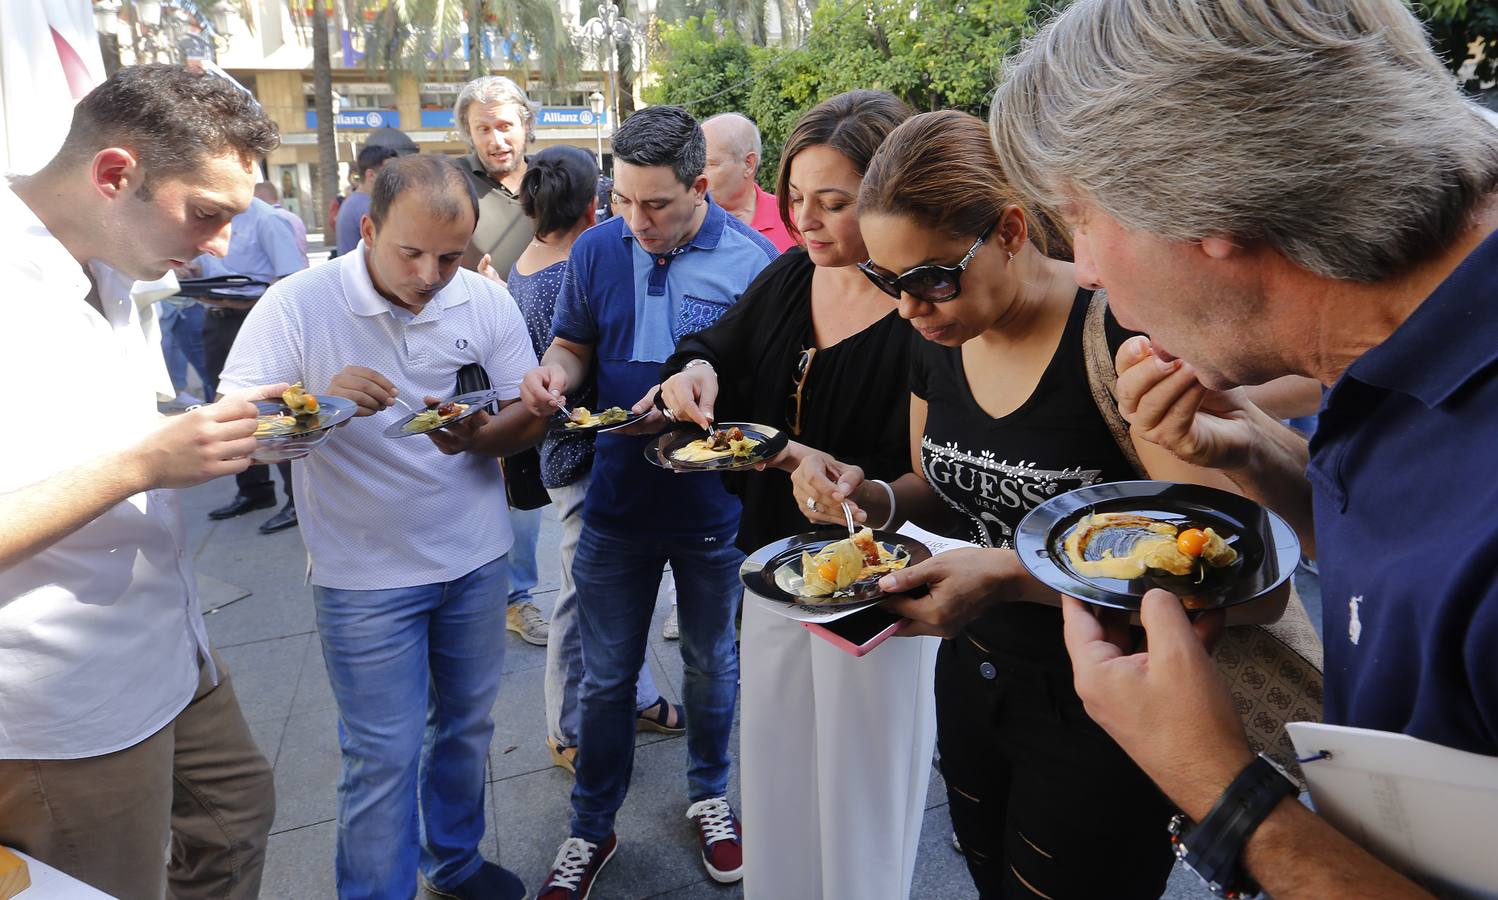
(834, 750)
(1001, 419)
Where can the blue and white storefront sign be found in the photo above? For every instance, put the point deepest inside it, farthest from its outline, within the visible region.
(360, 118)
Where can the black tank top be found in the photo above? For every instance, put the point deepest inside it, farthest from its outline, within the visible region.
(994, 471)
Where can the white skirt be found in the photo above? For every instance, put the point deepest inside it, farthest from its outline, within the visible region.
(834, 760)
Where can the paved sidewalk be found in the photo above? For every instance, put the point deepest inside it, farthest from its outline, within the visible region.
(259, 614)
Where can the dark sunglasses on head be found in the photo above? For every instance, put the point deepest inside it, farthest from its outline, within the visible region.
(793, 402)
(931, 283)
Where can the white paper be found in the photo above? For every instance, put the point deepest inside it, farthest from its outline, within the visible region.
(820, 615)
(1428, 810)
(48, 883)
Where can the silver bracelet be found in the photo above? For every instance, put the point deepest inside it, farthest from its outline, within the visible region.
(889, 492)
(697, 362)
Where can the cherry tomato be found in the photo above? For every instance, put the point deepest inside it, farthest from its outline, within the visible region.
(1191, 541)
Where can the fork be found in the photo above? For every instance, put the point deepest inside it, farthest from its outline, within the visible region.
(848, 515)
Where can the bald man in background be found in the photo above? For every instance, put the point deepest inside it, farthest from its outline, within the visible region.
(733, 154)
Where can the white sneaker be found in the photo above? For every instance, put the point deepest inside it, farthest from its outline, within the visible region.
(525, 620)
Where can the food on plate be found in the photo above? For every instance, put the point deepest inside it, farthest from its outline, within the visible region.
(717, 445)
(582, 418)
(300, 414)
(301, 403)
(841, 563)
(1126, 545)
(435, 416)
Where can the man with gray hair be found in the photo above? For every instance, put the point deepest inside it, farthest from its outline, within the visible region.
(497, 121)
(1346, 231)
(733, 154)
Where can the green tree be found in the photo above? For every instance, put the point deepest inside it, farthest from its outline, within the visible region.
(1462, 32)
(417, 37)
(934, 54)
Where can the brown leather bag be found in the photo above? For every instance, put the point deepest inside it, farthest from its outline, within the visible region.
(1273, 671)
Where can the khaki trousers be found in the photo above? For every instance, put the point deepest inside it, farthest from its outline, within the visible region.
(199, 784)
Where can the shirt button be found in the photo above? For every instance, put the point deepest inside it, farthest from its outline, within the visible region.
(988, 671)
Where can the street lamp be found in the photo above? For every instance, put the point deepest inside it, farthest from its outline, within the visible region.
(595, 103)
(608, 27)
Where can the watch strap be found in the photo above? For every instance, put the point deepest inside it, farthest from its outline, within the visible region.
(1213, 848)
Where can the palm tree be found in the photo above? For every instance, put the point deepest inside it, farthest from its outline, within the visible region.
(417, 37)
(322, 98)
(751, 18)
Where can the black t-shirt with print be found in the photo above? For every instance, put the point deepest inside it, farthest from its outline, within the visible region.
(994, 471)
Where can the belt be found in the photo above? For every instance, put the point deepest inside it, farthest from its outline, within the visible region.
(221, 312)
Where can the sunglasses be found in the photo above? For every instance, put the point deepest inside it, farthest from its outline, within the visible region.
(793, 405)
(929, 283)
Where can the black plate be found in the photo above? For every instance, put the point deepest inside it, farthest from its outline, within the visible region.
(476, 401)
(1268, 549)
(771, 442)
(759, 570)
(558, 424)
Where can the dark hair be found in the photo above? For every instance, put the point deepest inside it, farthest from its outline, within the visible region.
(663, 136)
(560, 184)
(374, 157)
(940, 169)
(172, 118)
(439, 179)
(854, 124)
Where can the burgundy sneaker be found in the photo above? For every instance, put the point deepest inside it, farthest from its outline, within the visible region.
(722, 839)
(577, 866)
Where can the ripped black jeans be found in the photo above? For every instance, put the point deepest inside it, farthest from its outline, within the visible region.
(1044, 803)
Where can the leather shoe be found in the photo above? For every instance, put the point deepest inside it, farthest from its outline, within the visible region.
(281, 521)
(241, 505)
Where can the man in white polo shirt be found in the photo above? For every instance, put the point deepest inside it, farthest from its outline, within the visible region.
(406, 535)
(119, 729)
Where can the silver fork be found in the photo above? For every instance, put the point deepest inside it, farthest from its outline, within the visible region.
(848, 515)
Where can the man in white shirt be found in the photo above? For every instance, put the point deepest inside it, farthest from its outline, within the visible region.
(119, 730)
(406, 535)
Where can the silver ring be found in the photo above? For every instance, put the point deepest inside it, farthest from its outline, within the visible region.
(670, 414)
(811, 503)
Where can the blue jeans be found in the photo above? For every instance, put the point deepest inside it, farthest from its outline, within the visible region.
(520, 562)
(182, 344)
(564, 646)
(618, 576)
(415, 672)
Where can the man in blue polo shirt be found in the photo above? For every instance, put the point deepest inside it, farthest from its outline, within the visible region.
(669, 264)
(1347, 231)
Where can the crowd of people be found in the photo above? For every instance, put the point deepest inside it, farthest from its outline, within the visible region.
(921, 306)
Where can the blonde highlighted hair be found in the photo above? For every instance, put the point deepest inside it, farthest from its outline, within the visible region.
(1326, 128)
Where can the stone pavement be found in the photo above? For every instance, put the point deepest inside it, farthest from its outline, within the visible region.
(259, 614)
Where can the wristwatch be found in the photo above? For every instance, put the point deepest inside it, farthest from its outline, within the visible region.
(696, 362)
(1213, 849)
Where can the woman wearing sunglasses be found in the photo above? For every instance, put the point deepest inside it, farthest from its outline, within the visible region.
(1001, 419)
(835, 751)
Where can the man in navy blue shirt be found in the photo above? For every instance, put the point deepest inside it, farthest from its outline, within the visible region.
(667, 265)
(1348, 231)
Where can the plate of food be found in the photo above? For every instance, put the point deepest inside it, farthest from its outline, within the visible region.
(440, 415)
(728, 447)
(289, 428)
(828, 568)
(1109, 544)
(586, 421)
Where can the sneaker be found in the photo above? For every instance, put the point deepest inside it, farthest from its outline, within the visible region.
(670, 629)
(576, 868)
(488, 882)
(525, 620)
(722, 839)
(182, 401)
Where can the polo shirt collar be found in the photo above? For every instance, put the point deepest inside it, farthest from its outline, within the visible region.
(477, 168)
(708, 235)
(1450, 337)
(363, 300)
(766, 210)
